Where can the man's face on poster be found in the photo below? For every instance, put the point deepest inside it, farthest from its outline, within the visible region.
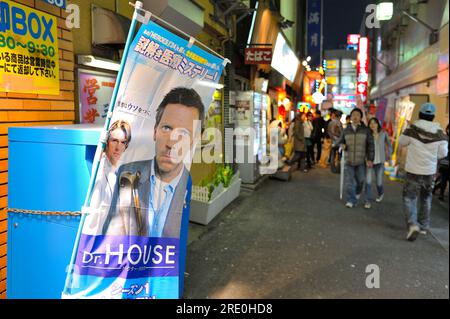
(117, 143)
(176, 129)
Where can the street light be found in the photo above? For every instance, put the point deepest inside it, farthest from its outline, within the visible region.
(385, 10)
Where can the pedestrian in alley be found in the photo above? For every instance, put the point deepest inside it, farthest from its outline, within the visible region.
(357, 142)
(334, 130)
(383, 151)
(299, 144)
(426, 144)
(442, 181)
(309, 138)
(318, 133)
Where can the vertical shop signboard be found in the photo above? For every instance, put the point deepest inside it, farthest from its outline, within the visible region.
(133, 236)
(29, 58)
(95, 92)
(362, 70)
(314, 31)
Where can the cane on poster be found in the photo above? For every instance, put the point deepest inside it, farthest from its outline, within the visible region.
(133, 240)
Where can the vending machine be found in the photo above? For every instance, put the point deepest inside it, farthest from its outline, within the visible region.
(251, 133)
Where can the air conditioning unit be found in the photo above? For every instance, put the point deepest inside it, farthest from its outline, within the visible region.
(109, 28)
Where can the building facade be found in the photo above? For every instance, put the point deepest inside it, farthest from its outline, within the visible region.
(410, 64)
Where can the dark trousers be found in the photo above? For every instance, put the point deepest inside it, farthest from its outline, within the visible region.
(299, 157)
(309, 152)
(319, 149)
(335, 160)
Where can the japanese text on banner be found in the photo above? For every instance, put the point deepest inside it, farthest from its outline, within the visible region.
(29, 58)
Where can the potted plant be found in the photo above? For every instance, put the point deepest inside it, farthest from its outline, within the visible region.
(213, 194)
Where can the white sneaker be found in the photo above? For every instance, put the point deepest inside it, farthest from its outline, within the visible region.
(423, 232)
(379, 198)
(367, 205)
(349, 205)
(413, 232)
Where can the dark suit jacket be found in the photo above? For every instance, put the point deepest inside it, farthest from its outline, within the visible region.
(130, 202)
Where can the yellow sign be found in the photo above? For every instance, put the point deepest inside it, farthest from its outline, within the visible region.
(331, 64)
(331, 80)
(28, 50)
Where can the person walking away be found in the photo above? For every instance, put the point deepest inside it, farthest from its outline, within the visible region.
(308, 129)
(383, 151)
(357, 142)
(426, 144)
(318, 133)
(334, 131)
(299, 144)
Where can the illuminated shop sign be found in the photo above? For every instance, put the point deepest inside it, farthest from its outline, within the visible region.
(258, 55)
(284, 59)
(353, 38)
(362, 71)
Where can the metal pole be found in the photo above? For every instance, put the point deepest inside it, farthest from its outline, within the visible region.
(102, 142)
(419, 21)
(342, 162)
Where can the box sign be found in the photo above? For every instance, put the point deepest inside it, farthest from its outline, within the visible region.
(258, 55)
(362, 69)
(57, 3)
(29, 58)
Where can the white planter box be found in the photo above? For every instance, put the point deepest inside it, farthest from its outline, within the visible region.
(203, 213)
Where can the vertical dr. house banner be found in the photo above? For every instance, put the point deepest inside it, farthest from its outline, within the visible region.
(132, 243)
(29, 58)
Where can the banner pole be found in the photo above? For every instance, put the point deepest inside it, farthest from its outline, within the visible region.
(102, 143)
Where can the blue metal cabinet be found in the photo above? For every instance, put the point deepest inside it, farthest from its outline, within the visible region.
(49, 170)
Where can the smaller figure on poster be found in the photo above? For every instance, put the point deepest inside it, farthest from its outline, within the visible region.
(119, 137)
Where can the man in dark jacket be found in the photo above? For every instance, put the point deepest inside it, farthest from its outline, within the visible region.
(318, 133)
(358, 144)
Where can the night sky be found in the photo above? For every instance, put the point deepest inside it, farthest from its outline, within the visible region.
(342, 17)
